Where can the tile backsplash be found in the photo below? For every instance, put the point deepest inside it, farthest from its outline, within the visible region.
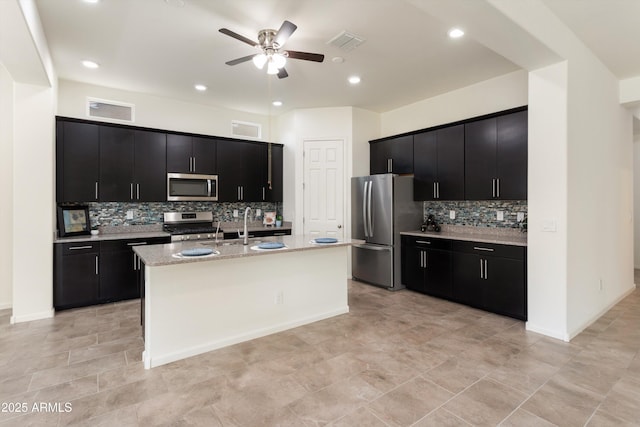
(115, 213)
(477, 213)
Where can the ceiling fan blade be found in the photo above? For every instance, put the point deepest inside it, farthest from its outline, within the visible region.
(286, 29)
(282, 73)
(238, 36)
(241, 60)
(294, 54)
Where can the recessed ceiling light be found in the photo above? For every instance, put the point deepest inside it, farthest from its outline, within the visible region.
(456, 33)
(354, 80)
(201, 88)
(277, 103)
(90, 64)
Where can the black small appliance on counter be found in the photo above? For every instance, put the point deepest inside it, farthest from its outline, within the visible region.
(430, 224)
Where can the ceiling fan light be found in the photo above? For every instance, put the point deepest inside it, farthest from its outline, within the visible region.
(271, 68)
(279, 60)
(259, 60)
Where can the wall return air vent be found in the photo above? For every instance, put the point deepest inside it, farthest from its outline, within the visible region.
(246, 129)
(114, 110)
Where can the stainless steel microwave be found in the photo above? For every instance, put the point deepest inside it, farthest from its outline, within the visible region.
(191, 187)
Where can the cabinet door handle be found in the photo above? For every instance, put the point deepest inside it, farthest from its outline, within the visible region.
(75, 248)
(97, 271)
(263, 194)
(426, 264)
(438, 188)
(481, 269)
(434, 189)
(497, 187)
(136, 243)
(486, 270)
(279, 234)
(242, 192)
(131, 191)
(134, 261)
(96, 190)
(138, 191)
(194, 163)
(424, 242)
(479, 248)
(493, 187)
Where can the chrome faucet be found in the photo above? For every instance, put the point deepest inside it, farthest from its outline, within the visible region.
(246, 233)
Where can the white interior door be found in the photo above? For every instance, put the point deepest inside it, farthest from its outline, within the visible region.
(324, 188)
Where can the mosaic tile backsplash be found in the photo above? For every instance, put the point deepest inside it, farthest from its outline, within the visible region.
(477, 213)
(115, 213)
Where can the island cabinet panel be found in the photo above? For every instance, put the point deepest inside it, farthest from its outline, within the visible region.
(491, 277)
(438, 164)
(393, 155)
(496, 158)
(191, 154)
(76, 274)
(150, 172)
(426, 265)
(116, 164)
(77, 162)
(242, 172)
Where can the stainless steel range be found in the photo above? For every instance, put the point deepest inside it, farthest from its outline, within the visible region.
(190, 226)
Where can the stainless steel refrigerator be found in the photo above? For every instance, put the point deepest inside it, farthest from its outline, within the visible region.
(381, 207)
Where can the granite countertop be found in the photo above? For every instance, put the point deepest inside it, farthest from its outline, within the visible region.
(118, 233)
(159, 255)
(504, 236)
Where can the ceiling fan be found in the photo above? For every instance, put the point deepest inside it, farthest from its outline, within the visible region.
(270, 53)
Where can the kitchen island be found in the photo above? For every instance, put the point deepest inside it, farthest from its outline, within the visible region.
(192, 305)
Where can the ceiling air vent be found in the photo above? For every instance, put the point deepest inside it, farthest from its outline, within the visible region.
(114, 110)
(246, 129)
(346, 41)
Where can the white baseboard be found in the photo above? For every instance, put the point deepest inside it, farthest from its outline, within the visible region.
(214, 345)
(560, 335)
(32, 316)
(5, 305)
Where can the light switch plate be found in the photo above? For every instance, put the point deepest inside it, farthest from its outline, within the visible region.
(500, 215)
(258, 212)
(452, 214)
(520, 216)
(549, 225)
(235, 213)
(130, 214)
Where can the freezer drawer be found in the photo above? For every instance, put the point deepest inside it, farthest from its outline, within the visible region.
(373, 264)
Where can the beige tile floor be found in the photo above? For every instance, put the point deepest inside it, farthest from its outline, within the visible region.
(397, 359)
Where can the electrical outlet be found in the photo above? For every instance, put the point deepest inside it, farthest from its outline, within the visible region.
(279, 298)
(520, 216)
(452, 214)
(258, 212)
(500, 215)
(130, 214)
(235, 213)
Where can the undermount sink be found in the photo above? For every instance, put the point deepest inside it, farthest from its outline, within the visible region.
(230, 242)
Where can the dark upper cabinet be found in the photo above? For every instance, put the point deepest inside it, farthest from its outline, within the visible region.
(116, 164)
(496, 158)
(77, 162)
(241, 171)
(393, 155)
(438, 159)
(191, 154)
(150, 172)
(275, 162)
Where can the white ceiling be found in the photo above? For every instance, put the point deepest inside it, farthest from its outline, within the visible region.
(154, 46)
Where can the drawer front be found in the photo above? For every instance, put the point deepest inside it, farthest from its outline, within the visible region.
(491, 249)
(126, 244)
(78, 248)
(427, 242)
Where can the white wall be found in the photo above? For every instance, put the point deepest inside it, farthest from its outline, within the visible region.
(636, 186)
(497, 94)
(366, 126)
(33, 201)
(6, 188)
(157, 112)
(547, 201)
(600, 203)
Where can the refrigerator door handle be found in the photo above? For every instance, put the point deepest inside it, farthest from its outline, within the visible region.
(364, 209)
(373, 247)
(369, 210)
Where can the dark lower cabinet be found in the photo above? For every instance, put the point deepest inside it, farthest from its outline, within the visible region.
(491, 277)
(76, 274)
(258, 233)
(426, 265)
(97, 273)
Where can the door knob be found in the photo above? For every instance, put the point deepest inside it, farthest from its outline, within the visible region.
(339, 226)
